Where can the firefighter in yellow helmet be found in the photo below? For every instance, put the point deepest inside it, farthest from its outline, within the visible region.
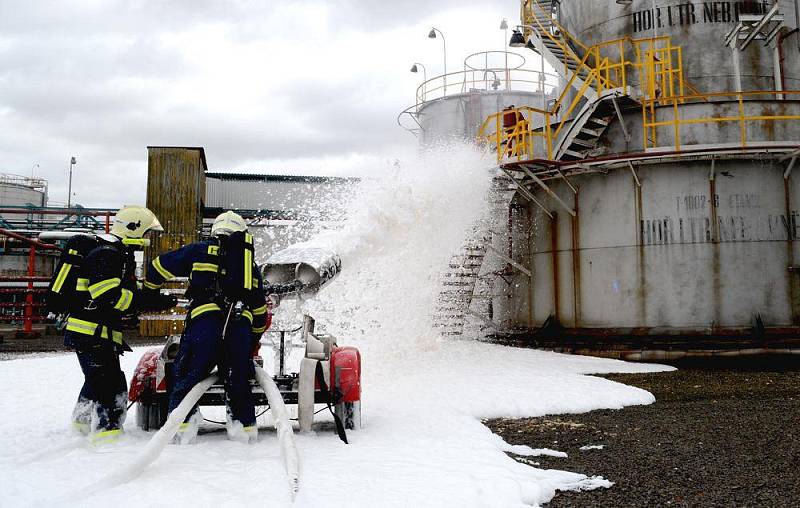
(226, 317)
(100, 291)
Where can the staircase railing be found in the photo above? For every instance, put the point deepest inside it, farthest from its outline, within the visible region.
(521, 138)
(531, 14)
(656, 67)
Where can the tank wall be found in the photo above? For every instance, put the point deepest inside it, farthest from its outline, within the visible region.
(681, 252)
(729, 133)
(19, 195)
(462, 115)
(699, 28)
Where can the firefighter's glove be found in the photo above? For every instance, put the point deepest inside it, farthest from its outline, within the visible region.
(166, 302)
(130, 322)
(152, 299)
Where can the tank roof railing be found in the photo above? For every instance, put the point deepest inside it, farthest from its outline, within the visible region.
(24, 181)
(479, 80)
(491, 79)
(485, 71)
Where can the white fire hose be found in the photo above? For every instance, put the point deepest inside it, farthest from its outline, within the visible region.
(156, 444)
(291, 460)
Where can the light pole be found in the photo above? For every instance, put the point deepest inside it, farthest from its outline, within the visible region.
(72, 162)
(504, 28)
(424, 79)
(432, 35)
(35, 165)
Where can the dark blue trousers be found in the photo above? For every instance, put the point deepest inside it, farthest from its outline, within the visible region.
(104, 393)
(203, 348)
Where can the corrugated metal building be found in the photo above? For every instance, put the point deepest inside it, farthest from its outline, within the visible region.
(272, 196)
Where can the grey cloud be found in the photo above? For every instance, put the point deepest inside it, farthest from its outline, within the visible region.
(96, 81)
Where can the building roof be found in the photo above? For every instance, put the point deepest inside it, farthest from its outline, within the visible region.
(279, 178)
(202, 152)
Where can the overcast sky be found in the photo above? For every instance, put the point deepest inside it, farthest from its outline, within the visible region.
(303, 87)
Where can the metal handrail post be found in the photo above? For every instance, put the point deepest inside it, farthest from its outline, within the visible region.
(28, 321)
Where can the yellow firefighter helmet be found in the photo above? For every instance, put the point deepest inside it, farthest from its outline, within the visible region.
(132, 222)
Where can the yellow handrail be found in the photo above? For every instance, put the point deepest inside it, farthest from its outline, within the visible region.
(651, 124)
(533, 137)
(518, 140)
(656, 65)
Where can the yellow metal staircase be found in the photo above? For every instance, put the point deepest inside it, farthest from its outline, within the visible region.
(558, 49)
(600, 81)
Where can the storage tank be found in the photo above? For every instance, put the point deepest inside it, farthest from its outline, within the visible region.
(455, 105)
(20, 191)
(700, 28)
(676, 232)
(656, 212)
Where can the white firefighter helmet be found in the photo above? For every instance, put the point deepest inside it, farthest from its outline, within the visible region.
(227, 223)
(133, 222)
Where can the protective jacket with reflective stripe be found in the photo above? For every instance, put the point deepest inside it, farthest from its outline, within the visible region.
(201, 262)
(105, 291)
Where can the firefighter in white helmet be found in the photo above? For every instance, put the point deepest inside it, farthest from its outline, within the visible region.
(98, 294)
(226, 317)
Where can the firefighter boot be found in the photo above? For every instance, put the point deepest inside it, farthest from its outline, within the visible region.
(82, 416)
(103, 437)
(244, 434)
(187, 432)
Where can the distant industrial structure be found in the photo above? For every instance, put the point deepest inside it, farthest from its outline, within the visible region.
(26, 260)
(185, 196)
(653, 202)
(280, 209)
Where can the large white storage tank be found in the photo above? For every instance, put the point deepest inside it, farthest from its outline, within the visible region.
(18, 190)
(700, 29)
(15, 192)
(678, 230)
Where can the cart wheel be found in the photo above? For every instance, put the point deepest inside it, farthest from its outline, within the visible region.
(350, 414)
(151, 411)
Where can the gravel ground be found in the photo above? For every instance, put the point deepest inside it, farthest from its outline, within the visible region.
(722, 433)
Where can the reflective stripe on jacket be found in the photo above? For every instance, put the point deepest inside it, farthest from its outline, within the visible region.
(104, 292)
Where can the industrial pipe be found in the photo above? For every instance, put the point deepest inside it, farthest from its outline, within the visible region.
(58, 211)
(29, 241)
(23, 278)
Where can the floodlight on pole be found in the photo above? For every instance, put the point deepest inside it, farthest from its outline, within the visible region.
(424, 78)
(432, 35)
(517, 40)
(72, 162)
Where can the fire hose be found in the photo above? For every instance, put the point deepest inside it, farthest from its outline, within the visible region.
(291, 460)
(155, 446)
(165, 435)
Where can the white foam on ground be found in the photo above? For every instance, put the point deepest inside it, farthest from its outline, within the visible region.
(422, 443)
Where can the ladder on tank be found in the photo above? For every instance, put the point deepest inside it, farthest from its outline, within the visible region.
(464, 292)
